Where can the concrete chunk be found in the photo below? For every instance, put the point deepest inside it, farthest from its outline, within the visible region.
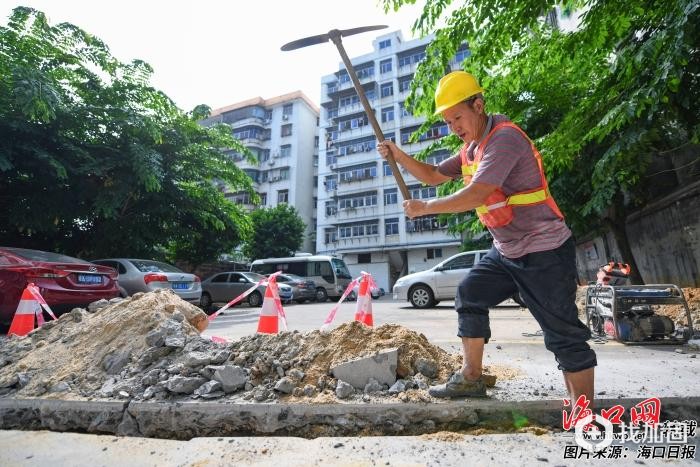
(381, 367)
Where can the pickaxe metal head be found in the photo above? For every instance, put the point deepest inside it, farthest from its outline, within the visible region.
(330, 35)
(335, 36)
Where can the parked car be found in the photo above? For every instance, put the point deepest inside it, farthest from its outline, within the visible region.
(225, 286)
(145, 275)
(425, 289)
(376, 292)
(303, 289)
(64, 282)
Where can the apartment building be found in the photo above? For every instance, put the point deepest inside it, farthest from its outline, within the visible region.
(282, 132)
(359, 205)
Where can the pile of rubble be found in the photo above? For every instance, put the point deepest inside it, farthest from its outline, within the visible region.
(148, 347)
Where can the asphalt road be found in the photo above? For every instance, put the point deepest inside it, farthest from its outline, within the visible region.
(516, 343)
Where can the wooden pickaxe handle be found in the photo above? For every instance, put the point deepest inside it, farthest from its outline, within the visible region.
(370, 113)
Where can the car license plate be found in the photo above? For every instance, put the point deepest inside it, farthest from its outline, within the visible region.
(89, 279)
(180, 285)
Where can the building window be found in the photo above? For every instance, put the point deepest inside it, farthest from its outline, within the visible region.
(387, 169)
(404, 110)
(283, 196)
(462, 55)
(405, 85)
(391, 226)
(263, 199)
(286, 130)
(364, 258)
(285, 150)
(361, 173)
(331, 235)
(284, 174)
(404, 61)
(428, 192)
(331, 208)
(331, 182)
(316, 141)
(364, 73)
(426, 223)
(385, 66)
(358, 201)
(387, 89)
(387, 114)
(436, 159)
(347, 101)
(385, 44)
(391, 196)
(287, 110)
(434, 253)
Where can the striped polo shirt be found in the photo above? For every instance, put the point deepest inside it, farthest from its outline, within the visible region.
(508, 162)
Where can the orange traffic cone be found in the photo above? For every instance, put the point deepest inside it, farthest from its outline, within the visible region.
(28, 308)
(268, 322)
(363, 312)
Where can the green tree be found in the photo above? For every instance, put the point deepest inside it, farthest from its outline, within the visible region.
(96, 162)
(277, 232)
(601, 102)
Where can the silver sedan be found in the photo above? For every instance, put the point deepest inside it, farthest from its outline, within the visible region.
(144, 275)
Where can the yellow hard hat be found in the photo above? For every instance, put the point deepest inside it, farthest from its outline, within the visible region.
(454, 88)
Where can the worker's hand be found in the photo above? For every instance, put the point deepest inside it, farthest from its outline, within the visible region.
(387, 147)
(415, 208)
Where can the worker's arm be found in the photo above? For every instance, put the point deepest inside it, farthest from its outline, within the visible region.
(426, 173)
(467, 198)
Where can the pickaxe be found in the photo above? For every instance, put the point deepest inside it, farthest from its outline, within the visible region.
(334, 35)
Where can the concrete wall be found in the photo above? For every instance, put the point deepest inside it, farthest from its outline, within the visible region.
(664, 237)
(379, 271)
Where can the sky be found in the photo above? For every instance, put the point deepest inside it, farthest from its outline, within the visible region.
(218, 52)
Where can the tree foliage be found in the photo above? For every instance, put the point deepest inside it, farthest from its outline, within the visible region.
(96, 162)
(278, 232)
(602, 102)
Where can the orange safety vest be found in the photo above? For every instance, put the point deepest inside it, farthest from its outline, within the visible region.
(497, 210)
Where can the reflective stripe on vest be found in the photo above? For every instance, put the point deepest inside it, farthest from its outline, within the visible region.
(524, 198)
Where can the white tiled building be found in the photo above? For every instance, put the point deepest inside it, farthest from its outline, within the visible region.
(359, 205)
(282, 133)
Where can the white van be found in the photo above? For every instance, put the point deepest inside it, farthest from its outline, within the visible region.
(330, 274)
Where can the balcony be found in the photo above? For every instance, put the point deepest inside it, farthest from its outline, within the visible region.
(361, 77)
(365, 130)
(250, 121)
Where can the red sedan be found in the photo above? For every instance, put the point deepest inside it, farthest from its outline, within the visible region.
(63, 281)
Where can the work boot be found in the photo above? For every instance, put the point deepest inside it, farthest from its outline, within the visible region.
(458, 386)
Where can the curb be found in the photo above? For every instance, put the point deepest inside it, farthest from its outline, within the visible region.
(187, 420)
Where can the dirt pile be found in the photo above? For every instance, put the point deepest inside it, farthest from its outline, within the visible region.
(145, 348)
(677, 312)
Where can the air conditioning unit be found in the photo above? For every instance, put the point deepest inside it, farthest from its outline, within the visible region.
(332, 166)
(276, 155)
(275, 179)
(285, 117)
(268, 121)
(270, 162)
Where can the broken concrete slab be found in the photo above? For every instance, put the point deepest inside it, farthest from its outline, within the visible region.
(381, 367)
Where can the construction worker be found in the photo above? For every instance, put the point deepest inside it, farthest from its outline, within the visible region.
(533, 252)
